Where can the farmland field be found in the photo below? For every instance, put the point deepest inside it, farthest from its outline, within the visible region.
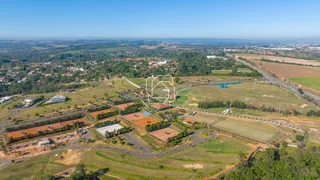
(263, 94)
(312, 82)
(289, 70)
(193, 163)
(253, 130)
(278, 58)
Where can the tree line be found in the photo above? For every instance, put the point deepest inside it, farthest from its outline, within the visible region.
(41, 123)
(99, 108)
(106, 115)
(157, 126)
(242, 105)
(279, 164)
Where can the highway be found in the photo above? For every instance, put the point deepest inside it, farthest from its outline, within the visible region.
(290, 87)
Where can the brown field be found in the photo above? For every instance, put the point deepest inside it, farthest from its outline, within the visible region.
(278, 58)
(140, 119)
(288, 70)
(70, 157)
(124, 106)
(164, 134)
(34, 130)
(94, 114)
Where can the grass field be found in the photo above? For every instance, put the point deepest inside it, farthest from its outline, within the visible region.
(253, 130)
(81, 98)
(312, 82)
(263, 94)
(194, 163)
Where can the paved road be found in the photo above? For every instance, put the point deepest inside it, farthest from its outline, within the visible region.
(146, 152)
(137, 143)
(292, 88)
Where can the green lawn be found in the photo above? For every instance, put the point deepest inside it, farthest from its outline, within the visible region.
(253, 130)
(212, 156)
(263, 94)
(312, 82)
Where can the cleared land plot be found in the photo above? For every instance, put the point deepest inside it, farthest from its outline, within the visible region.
(263, 94)
(140, 119)
(124, 106)
(257, 131)
(213, 156)
(81, 99)
(164, 134)
(111, 128)
(278, 58)
(34, 130)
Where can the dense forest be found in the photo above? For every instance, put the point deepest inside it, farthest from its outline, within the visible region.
(279, 164)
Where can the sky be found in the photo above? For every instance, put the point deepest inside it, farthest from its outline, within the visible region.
(241, 19)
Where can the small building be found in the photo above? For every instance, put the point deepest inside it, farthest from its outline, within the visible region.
(44, 142)
(189, 122)
(4, 99)
(57, 99)
(159, 107)
(29, 101)
(211, 56)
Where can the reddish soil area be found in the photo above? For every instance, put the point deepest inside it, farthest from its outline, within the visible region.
(164, 134)
(124, 106)
(94, 114)
(140, 119)
(34, 130)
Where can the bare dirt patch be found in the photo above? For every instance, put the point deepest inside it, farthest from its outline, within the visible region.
(304, 106)
(193, 166)
(69, 158)
(85, 89)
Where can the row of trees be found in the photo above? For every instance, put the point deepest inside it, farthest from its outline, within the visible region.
(106, 115)
(118, 132)
(99, 108)
(106, 123)
(177, 139)
(131, 109)
(242, 105)
(159, 125)
(224, 104)
(313, 113)
(41, 123)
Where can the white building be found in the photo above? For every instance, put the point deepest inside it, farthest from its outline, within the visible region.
(57, 99)
(4, 99)
(29, 101)
(211, 57)
(44, 142)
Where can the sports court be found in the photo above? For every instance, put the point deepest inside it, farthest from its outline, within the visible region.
(140, 119)
(164, 134)
(124, 106)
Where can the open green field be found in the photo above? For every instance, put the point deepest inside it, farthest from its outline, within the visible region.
(312, 82)
(263, 94)
(193, 163)
(253, 130)
(81, 98)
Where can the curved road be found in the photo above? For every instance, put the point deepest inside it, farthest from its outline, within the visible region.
(146, 152)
